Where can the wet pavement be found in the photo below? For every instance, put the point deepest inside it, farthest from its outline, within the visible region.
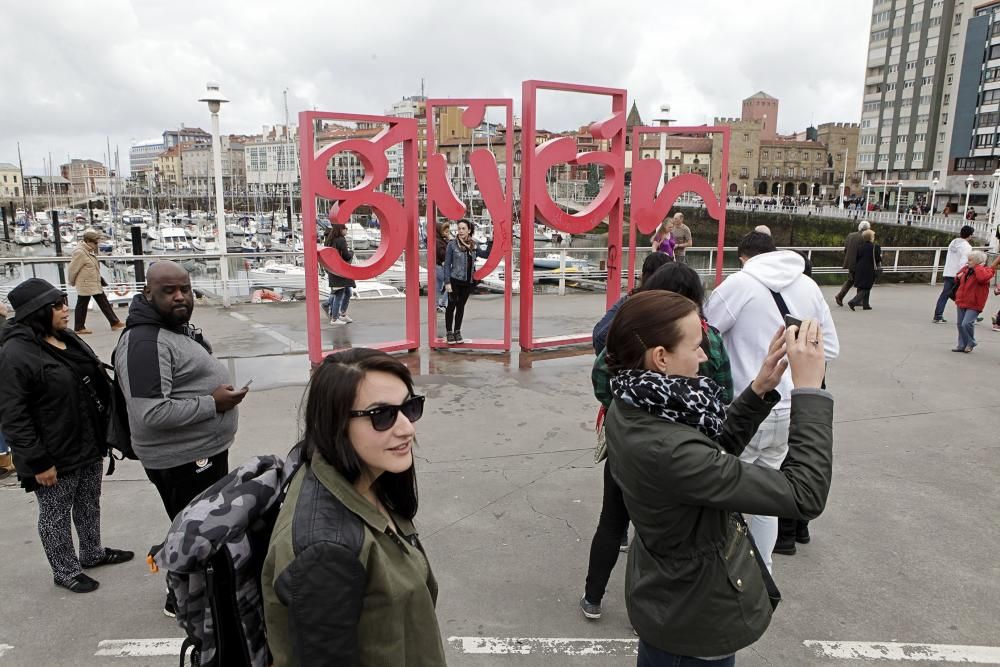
(906, 551)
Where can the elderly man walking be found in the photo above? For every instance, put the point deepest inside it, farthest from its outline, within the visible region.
(851, 245)
(956, 258)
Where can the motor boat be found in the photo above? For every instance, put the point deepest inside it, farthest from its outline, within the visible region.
(365, 290)
(495, 281)
(278, 274)
(357, 237)
(553, 259)
(28, 236)
(176, 239)
(251, 244)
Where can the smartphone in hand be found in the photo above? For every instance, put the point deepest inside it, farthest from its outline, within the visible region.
(249, 382)
(793, 321)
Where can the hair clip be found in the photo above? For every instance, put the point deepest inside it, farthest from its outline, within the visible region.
(641, 341)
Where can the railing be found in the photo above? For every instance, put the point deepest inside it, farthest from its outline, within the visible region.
(575, 268)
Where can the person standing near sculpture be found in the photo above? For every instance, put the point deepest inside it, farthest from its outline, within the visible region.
(663, 240)
(851, 244)
(85, 276)
(682, 238)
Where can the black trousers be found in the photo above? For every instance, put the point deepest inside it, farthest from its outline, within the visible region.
(861, 298)
(178, 486)
(846, 287)
(604, 548)
(455, 311)
(80, 318)
(788, 528)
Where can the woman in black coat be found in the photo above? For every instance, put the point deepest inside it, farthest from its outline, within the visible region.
(340, 287)
(866, 270)
(52, 402)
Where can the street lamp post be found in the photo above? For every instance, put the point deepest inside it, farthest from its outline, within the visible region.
(215, 101)
(843, 188)
(992, 214)
(934, 186)
(968, 192)
(664, 122)
(868, 193)
(899, 197)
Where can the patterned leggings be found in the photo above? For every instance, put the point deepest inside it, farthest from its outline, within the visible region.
(79, 493)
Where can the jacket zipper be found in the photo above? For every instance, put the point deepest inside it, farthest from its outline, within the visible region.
(735, 542)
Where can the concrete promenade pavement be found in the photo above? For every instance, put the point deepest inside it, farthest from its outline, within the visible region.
(905, 552)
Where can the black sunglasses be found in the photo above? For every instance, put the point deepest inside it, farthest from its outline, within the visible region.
(57, 305)
(384, 416)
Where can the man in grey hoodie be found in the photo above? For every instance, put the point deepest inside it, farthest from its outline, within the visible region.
(181, 406)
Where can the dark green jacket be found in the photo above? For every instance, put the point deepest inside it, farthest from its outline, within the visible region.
(340, 587)
(717, 368)
(692, 584)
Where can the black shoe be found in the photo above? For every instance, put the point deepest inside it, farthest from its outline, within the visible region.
(802, 533)
(850, 305)
(589, 609)
(170, 606)
(81, 583)
(839, 300)
(451, 338)
(458, 338)
(784, 548)
(866, 308)
(113, 557)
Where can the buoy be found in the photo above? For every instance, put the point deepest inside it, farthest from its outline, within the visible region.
(121, 290)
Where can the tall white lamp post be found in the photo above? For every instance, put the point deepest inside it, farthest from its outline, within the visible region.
(934, 187)
(215, 101)
(996, 190)
(664, 122)
(899, 198)
(968, 192)
(868, 192)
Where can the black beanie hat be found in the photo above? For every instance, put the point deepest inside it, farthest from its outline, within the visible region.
(32, 294)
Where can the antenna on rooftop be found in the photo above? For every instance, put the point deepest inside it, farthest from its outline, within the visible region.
(422, 87)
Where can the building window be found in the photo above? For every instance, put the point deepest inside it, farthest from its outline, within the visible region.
(991, 96)
(749, 153)
(951, 59)
(911, 64)
(893, 69)
(843, 141)
(746, 137)
(743, 172)
(930, 61)
(985, 140)
(763, 172)
(777, 156)
(988, 119)
(840, 156)
(763, 154)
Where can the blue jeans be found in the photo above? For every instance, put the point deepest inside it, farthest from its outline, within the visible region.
(337, 303)
(967, 327)
(442, 295)
(3, 444)
(650, 656)
(946, 285)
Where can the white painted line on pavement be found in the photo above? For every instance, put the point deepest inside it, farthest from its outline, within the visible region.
(139, 648)
(982, 655)
(543, 646)
(267, 331)
(4, 648)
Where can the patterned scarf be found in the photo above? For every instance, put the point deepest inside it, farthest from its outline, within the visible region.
(693, 401)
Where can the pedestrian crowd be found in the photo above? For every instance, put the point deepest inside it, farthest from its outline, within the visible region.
(715, 431)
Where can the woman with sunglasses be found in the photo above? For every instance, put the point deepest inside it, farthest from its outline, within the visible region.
(346, 581)
(52, 402)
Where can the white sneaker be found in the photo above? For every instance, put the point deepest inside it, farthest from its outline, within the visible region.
(345, 318)
(336, 323)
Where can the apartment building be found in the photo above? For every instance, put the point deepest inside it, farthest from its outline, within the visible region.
(272, 160)
(10, 180)
(142, 155)
(907, 115)
(86, 177)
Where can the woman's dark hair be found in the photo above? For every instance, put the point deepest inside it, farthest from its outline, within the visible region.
(649, 319)
(40, 322)
(679, 278)
(468, 223)
(652, 262)
(330, 397)
(335, 232)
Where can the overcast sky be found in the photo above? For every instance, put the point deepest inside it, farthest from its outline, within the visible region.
(81, 71)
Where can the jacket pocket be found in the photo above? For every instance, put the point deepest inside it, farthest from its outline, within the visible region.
(745, 578)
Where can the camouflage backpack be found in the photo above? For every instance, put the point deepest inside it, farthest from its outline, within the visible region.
(214, 554)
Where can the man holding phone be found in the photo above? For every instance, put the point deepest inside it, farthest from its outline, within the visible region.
(747, 308)
(181, 405)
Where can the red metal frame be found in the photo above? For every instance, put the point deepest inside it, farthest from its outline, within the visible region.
(535, 199)
(648, 208)
(398, 220)
(500, 204)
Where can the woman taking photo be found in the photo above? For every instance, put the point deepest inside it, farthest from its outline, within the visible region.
(346, 581)
(459, 266)
(695, 586)
(663, 240)
(340, 287)
(52, 402)
(85, 276)
(866, 270)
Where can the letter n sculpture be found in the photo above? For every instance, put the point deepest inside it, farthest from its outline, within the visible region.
(398, 219)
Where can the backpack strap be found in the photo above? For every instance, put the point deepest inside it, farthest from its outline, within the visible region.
(780, 302)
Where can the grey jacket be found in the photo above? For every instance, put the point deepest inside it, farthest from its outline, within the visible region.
(168, 376)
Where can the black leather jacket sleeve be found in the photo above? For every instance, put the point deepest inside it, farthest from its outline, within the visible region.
(323, 590)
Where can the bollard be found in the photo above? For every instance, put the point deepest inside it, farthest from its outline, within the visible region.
(58, 242)
(288, 216)
(90, 205)
(140, 271)
(562, 272)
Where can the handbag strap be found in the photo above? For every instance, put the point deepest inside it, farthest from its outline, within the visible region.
(773, 594)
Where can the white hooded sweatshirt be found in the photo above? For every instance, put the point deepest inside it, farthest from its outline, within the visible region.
(745, 313)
